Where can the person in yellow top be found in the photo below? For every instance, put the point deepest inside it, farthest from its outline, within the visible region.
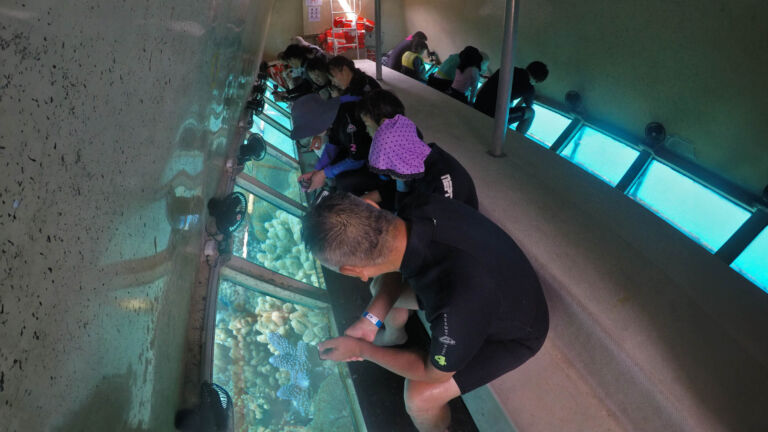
(412, 62)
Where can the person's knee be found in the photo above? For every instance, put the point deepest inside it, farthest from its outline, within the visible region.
(418, 399)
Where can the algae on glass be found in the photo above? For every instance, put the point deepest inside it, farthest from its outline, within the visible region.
(265, 355)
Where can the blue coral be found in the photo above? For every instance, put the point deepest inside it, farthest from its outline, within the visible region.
(296, 361)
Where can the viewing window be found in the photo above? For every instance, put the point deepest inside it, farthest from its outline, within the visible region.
(271, 238)
(265, 355)
(547, 125)
(277, 116)
(600, 154)
(274, 136)
(753, 262)
(699, 212)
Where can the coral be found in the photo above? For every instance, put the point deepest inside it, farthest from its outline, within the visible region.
(312, 326)
(332, 409)
(284, 252)
(296, 361)
(273, 316)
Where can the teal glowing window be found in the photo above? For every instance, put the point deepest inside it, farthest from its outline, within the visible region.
(600, 154)
(274, 136)
(753, 262)
(547, 125)
(271, 238)
(696, 210)
(277, 116)
(277, 174)
(265, 356)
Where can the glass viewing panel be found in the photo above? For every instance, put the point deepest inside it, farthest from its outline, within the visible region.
(278, 175)
(271, 238)
(277, 116)
(547, 125)
(699, 212)
(753, 262)
(265, 356)
(274, 136)
(600, 154)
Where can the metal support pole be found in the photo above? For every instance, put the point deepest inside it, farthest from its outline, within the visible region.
(377, 29)
(505, 78)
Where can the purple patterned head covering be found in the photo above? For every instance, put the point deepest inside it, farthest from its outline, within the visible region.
(396, 149)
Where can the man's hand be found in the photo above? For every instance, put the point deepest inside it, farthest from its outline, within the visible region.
(317, 180)
(279, 96)
(342, 348)
(362, 329)
(304, 180)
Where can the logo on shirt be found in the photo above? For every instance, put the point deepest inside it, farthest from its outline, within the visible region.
(447, 185)
(446, 340)
(440, 360)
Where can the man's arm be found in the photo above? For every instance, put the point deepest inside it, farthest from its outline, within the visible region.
(409, 364)
(389, 288)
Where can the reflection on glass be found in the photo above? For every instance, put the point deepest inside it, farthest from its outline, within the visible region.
(753, 262)
(271, 238)
(277, 116)
(278, 175)
(265, 355)
(601, 155)
(547, 125)
(691, 207)
(274, 136)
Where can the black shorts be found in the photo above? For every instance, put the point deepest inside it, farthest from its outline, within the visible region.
(494, 358)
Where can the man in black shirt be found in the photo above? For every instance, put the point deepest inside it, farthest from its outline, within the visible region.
(481, 296)
(485, 101)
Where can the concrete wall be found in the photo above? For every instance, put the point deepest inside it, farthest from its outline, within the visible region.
(115, 117)
(697, 67)
(285, 22)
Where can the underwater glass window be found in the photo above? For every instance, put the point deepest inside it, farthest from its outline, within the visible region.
(278, 175)
(265, 356)
(277, 116)
(547, 125)
(271, 238)
(600, 154)
(274, 137)
(691, 207)
(753, 262)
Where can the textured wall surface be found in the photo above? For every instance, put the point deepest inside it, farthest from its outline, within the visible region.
(114, 118)
(697, 67)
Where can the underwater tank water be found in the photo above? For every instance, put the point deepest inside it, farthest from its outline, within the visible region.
(277, 174)
(600, 154)
(273, 136)
(271, 238)
(265, 355)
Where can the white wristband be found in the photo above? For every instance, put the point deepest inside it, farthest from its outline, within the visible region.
(372, 318)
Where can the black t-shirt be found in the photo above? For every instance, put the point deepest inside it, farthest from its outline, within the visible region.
(349, 134)
(443, 175)
(348, 129)
(471, 278)
(485, 101)
(361, 84)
